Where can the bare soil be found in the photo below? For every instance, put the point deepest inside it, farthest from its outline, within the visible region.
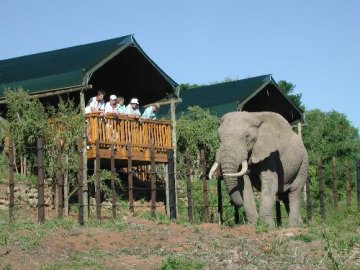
(139, 244)
(135, 243)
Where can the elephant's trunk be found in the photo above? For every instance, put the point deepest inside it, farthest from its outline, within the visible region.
(231, 183)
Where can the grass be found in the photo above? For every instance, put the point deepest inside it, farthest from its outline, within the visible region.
(181, 263)
(76, 264)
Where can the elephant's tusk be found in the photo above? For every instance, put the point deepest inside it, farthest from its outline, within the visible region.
(244, 167)
(213, 169)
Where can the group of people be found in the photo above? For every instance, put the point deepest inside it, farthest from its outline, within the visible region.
(115, 105)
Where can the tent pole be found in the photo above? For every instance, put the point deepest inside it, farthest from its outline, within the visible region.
(84, 143)
(174, 144)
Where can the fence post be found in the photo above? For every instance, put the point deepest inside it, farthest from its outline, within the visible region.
(308, 200)
(278, 212)
(204, 186)
(130, 178)
(236, 214)
(188, 185)
(97, 184)
(59, 180)
(358, 181)
(11, 180)
(335, 193)
(153, 181)
(321, 188)
(80, 181)
(40, 160)
(348, 189)
(172, 187)
(219, 193)
(112, 164)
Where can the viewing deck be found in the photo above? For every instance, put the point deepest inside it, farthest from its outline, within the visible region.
(122, 131)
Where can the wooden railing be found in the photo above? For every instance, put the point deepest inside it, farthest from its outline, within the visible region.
(122, 131)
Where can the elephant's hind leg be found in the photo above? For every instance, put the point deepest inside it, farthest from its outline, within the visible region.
(294, 204)
(295, 194)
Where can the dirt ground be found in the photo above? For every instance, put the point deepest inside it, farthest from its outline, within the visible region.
(135, 243)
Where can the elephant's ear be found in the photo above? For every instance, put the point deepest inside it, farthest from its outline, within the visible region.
(265, 144)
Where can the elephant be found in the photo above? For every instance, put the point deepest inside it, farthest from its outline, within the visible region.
(273, 159)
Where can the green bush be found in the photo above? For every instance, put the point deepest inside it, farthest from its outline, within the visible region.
(181, 263)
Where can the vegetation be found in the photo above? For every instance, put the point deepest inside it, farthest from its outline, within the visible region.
(288, 88)
(197, 129)
(328, 135)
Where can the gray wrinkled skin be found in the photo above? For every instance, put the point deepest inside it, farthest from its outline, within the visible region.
(277, 158)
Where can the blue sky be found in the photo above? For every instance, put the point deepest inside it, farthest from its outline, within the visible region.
(313, 44)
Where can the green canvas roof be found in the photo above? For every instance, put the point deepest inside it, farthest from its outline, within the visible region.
(259, 93)
(118, 66)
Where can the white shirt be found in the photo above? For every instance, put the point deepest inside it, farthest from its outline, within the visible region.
(131, 111)
(110, 109)
(94, 104)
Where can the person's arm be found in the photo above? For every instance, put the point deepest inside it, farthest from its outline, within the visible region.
(146, 114)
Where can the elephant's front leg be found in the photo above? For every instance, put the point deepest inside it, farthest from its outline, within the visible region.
(249, 201)
(269, 188)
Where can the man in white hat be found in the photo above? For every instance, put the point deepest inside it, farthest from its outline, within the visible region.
(111, 106)
(132, 109)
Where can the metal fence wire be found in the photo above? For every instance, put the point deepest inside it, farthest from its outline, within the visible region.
(152, 187)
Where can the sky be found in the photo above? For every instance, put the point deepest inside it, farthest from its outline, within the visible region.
(313, 44)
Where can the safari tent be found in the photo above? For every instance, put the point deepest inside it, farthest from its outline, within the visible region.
(118, 66)
(253, 94)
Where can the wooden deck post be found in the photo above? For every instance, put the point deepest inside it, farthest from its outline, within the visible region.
(97, 184)
(130, 179)
(153, 181)
(40, 160)
(112, 164)
(11, 181)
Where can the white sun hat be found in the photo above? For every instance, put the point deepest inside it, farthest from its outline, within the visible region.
(112, 97)
(134, 100)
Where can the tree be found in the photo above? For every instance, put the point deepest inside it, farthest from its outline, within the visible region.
(288, 89)
(26, 121)
(197, 129)
(328, 135)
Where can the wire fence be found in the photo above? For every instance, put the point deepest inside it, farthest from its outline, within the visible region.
(150, 188)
